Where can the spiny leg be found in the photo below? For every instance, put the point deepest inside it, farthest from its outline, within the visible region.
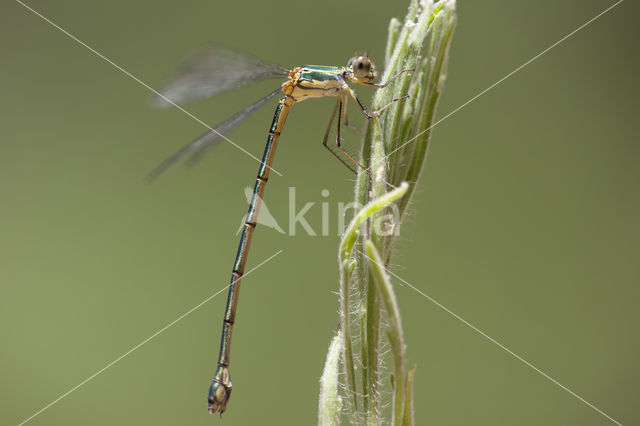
(339, 144)
(326, 134)
(377, 112)
(346, 118)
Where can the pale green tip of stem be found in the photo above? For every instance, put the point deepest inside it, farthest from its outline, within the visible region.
(351, 235)
(330, 403)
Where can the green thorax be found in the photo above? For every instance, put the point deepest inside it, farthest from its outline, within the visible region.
(319, 73)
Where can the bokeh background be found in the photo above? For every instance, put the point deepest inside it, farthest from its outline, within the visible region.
(525, 223)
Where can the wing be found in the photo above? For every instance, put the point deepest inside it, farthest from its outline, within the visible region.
(206, 141)
(213, 69)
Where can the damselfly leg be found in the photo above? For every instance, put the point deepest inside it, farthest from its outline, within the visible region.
(368, 115)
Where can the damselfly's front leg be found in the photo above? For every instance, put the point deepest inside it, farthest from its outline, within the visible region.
(385, 84)
(376, 113)
(377, 86)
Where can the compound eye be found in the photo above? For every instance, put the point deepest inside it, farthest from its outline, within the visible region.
(361, 66)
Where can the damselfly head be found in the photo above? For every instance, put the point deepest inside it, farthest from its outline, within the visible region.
(362, 68)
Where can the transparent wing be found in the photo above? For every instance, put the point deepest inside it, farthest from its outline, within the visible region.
(206, 141)
(213, 69)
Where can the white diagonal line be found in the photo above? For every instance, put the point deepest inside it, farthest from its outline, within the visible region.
(505, 77)
(128, 74)
(492, 340)
(136, 347)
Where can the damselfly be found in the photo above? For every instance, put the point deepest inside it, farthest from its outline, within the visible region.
(213, 70)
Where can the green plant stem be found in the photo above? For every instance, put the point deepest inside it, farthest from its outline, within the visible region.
(395, 335)
(345, 252)
(407, 417)
(345, 278)
(394, 151)
(372, 344)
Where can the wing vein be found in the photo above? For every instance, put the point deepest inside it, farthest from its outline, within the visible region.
(202, 145)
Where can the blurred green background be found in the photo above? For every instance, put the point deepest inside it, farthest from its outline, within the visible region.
(525, 223)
